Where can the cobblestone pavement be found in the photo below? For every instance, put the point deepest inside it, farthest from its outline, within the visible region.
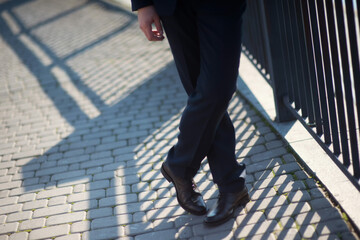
(88, 110)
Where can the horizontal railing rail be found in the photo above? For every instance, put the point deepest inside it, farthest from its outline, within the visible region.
(309, 52)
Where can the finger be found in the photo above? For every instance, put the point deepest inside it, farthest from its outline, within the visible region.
(158, 25)
(147, 30)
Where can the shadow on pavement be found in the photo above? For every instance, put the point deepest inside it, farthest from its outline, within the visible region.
(110, 105)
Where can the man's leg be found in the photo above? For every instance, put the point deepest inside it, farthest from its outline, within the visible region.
(217, 73)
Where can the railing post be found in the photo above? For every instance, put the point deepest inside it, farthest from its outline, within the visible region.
(275, 57)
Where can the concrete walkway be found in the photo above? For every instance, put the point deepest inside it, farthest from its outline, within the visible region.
(88, 110)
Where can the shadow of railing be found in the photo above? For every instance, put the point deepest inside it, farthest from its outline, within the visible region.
(119, 101)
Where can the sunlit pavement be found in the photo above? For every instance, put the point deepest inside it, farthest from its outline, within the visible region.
(88, 111)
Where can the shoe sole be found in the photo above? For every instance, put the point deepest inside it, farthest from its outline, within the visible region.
(169, 179)
(242, 202)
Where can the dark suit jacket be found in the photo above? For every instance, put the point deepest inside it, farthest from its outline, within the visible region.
(167, 7)
(163, 7)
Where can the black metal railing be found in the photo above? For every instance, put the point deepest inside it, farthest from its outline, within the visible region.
(309, 52)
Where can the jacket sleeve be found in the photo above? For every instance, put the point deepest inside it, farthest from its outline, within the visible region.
(137, 4)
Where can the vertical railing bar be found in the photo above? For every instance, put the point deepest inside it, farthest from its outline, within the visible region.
(346, 80)
(255, 50)
(338, 83)
(320, 72)
(264, 62)
(299, 64)
(311, 66)
(291, 54)
(285, 50)
(306, 80)
(356, 73)
(260, 55)
(271, 28)
(328, 76)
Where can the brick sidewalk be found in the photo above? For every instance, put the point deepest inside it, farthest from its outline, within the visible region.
(88, 110)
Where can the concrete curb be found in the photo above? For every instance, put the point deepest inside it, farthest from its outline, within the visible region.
(256, 90)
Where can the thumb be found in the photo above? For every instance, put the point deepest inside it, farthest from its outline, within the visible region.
(158, 25)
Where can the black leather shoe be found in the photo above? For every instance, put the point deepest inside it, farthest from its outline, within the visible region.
(225, 207)
(187, 193)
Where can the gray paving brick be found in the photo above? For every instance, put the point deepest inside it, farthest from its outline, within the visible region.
(104, 233)
(116, 200)
(267, 226)
(320, 203)
(118, 190)
(133, 207)
(139, 217)
(74, 153)
(32, 224)
(70, 237)
(266, 203)
(96, 162)
(262, 193)
(19, 236)
(290, 210)
(57, 201)
(299, 196)
(80, 227)
(202, 229)
(8, 228)
(67, 175)
(31, 153)
(101, 155)
(288, 234)
(99, 213)
(138, 228)
(165, 234)
(260, 166)
(2, 219)
(5, 178)
(27, 197)
(65, 218)
(266, 183)
(79, 188)
(95, 194)
(54, 210)
(163, 224)
(9, 201)
(50, 171)
(72, 160)
(10, 209)
(287, 222)
(226, 235)
(54, 192)
(307, 231)
(19, 216)
(250, 218)
(164, 212)
(10, 185)
(73, 181)
(85, 205)
(4, 193)
(35, 204)
(111, 221)
(104, 175)
(50, 232)
(290, 186)
(277, 152)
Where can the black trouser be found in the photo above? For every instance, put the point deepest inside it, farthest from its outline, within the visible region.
(206, 44)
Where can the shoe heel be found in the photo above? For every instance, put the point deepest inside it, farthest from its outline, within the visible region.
(164, 173)
(244, 200)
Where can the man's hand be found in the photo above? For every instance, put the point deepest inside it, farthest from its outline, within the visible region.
(146, 17)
